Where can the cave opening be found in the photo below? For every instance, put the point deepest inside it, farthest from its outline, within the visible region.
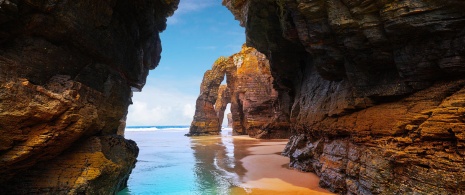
(349, 77)
(234, 83)
(192, 41)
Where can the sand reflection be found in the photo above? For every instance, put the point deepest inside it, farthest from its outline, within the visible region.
(242, 165)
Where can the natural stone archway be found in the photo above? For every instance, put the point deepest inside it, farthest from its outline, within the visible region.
(250, 91)
(254, 93)
(67, 72)
(206, 120)
(373, 90)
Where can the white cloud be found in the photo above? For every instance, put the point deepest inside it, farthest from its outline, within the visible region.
(189, 6)
(165, 106)
(155, 106)
(189, 110)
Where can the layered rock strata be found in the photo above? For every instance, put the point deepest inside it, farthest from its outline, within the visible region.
(67, 72)
(251, 94)
(375, 89)
(206, 121)
(97, 165)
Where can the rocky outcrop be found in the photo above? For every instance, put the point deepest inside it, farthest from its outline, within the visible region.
(374, 88)
(67, 72)
(251, 94)
(407, 146)
(230, 121)
(260, 115)
(98, 165)
(206, 121)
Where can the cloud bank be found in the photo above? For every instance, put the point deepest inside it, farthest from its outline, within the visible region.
(156, 106)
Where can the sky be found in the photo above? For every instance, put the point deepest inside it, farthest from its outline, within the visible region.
(197, 34)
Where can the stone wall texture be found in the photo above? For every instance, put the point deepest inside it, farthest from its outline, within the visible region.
(375, 89)
(67, 72)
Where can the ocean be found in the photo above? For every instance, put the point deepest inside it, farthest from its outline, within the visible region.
(173, 164)
(168, 163)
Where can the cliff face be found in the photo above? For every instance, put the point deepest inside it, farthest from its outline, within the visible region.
(375, 89)
(66, 73)
(259, 112)
(251, 94)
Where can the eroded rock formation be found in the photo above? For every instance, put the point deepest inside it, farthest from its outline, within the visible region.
(206, 121)
(66, 73)
(251, 94)
(230, 121)
(259, 112)
(375, 89)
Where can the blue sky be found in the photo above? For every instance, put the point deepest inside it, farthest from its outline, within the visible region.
(198, 33)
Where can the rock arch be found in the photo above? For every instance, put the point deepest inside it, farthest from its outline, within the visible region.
(254, 101)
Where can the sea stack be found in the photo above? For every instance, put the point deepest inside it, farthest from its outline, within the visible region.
(251, 93)
(67, 72)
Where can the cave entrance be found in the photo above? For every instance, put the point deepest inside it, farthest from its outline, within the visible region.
(192, 41)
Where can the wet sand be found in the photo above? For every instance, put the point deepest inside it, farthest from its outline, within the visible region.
(170, 163)
(267, 173)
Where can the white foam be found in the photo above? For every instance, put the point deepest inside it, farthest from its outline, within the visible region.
(175, 129)
(141, 129)
(171, 129)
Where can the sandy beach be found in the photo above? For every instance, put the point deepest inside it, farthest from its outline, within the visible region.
(267, 173)
(170, 163)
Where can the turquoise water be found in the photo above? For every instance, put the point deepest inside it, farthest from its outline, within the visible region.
(171, 163)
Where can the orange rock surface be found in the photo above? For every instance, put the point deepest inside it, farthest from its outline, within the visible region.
(67, 72)
(250, 91)
(374, 89)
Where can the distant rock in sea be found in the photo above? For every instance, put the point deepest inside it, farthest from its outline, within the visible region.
(230, 121)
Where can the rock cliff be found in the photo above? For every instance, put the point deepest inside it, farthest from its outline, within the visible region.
(67, 72)
(251, 94)
(375, 89)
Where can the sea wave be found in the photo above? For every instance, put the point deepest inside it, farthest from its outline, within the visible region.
(142, 129)
(164, 128)
(157, 128)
